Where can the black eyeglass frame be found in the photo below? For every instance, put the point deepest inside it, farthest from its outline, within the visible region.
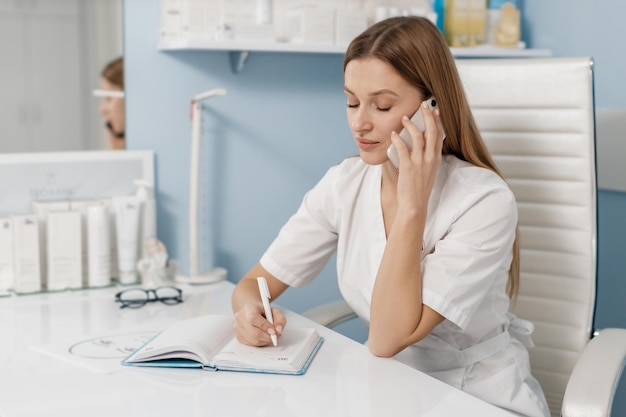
(151, 296)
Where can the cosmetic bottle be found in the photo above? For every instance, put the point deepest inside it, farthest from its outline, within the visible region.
(26, 254)
(477, 25)
(98, 246)
(127, 210)
(438, 7)
(145, 194)
(64, 250)
(41, 210)
(6, 255)
(503, 23)
(456, 22)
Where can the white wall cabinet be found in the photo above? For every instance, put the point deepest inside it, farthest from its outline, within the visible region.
(41, 102)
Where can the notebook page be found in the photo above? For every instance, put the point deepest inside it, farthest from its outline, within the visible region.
(293, 350)
(195, 339)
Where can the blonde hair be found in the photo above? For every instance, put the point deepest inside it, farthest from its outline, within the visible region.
(418, 51)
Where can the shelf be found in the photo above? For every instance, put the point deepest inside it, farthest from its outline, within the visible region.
(240, 49)
(500, 52)
(253, 46)
(250, 46)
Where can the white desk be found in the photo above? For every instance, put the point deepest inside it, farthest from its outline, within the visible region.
(343, 380)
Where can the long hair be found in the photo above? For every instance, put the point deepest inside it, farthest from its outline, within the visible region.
(419, 53)
(113, 72)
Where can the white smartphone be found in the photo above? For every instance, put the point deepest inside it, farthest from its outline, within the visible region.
(418, 121)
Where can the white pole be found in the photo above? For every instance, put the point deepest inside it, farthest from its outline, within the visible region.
(196, 114)
(196, 133)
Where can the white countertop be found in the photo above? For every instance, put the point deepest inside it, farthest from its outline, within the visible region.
(343, 380)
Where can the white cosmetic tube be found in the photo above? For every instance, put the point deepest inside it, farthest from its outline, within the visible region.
(99, 246)
(26, 254)
(108, 204)
(64, 247)
(82, 206)
(41, 209)
(148, 226)
(6, 255)
(127, 209)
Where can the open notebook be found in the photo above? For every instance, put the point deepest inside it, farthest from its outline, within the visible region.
(209, 342)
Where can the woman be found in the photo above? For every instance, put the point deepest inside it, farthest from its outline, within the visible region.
(425, 253)
(112, 107)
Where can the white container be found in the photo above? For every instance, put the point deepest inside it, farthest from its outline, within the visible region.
(82, 207)
(42, 209)
(6, 255)
(108, 204)
(145, 194)
(64, 249)
(264, 12)
(26, 265)
(348, 24)
(99, 246)
(127, 210)
(310, 25)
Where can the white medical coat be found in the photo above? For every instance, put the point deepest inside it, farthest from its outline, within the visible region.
(465, 260)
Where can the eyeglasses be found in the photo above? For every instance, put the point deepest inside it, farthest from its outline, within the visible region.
(139, 297)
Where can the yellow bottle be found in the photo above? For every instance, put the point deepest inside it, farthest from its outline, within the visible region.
(465, 22)
(477, 25)
(507, 32)
(455, 26)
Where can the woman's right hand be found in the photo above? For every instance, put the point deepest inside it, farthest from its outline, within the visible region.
(252, 328)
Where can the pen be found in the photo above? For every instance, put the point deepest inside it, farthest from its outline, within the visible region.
(265, 298)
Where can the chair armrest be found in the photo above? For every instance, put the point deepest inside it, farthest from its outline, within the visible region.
(330, 314)
(595, 377)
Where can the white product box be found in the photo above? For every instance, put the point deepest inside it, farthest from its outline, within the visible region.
(99, 246)
(26, 254)
(248, 20)
(108, 204)
(6, 255)
(41, 210)
(348, 24)
(202, 20)
(82, 206)
(64, 248)
(171, 21)
(310, 25)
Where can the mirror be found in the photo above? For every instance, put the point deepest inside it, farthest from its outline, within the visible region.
(53, 52)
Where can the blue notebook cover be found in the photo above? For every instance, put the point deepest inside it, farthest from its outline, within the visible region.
(186, 343)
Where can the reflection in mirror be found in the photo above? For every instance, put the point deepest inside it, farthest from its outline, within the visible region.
(113, 105)
(53, 53)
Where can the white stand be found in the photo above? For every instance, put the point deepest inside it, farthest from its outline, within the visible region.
(195, 275)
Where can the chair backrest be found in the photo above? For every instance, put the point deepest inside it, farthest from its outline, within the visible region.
(537, 118)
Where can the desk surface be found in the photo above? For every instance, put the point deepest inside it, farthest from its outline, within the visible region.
(343, 380)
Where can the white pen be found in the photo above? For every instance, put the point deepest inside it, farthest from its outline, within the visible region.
(265, 298)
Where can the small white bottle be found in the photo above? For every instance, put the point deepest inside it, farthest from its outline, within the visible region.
(6, 255)
(148, 226)
(99, 246)
(264, 12)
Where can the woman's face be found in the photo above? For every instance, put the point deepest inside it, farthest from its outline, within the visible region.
(112, 110)
(378, 97)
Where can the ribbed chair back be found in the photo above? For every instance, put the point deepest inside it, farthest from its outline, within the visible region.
(537, 119)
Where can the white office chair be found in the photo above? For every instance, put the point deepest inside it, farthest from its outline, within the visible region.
(537, 118)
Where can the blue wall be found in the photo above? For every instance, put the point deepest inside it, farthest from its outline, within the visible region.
(279, 128)
(282, 124)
